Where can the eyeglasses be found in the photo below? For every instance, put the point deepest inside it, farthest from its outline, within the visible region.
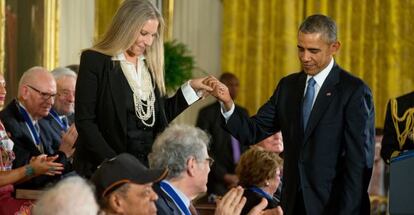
(44, 95)
(210, 161)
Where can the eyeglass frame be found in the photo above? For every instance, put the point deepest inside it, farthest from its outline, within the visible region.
(210, 161)
(45, 96)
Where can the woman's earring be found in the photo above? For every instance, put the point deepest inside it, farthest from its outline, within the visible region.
(267, 183)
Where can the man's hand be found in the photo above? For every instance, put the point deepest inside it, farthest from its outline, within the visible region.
(220, 91)
(68, 141)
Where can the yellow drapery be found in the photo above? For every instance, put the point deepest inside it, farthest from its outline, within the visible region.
(259, 44)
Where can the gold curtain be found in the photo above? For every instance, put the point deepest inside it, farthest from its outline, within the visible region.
(259, 44)
(104, 11)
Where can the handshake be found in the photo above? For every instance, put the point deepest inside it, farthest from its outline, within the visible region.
(212, 86)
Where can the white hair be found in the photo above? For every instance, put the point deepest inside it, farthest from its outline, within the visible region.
(62, 72)
(71, 196)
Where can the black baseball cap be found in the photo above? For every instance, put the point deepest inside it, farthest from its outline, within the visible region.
(124, 168)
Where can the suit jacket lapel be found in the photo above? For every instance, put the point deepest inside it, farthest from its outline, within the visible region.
(115, 80)
(298, 99)
(30, 144)
(326, 94)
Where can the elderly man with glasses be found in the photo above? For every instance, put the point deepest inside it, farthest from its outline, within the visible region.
(183, 150)
(23, 120)
(62, 114)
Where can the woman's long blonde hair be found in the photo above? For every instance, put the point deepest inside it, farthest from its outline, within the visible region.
(125, 28)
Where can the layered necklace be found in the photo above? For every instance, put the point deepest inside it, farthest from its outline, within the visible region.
(141, 84)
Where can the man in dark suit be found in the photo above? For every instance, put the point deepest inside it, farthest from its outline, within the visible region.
(61, 116)
(224, 148)
(22, 119)
(326, 116)
(399, 112)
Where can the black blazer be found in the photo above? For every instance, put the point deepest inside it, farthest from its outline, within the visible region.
(389, 141)
(101, 115)
(210, 120)
(24, 146)
(332, 160)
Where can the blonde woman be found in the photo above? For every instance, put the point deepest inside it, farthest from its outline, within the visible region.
(121, 102)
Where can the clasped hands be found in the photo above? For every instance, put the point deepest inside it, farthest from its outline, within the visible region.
(212, 86)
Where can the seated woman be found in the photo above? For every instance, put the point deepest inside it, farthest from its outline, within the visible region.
(40, 165)
(259, 173)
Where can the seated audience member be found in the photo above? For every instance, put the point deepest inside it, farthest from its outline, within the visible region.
(61, 116)
(398, 127)
(37, 166)
(22, 120)
(71, 196)
(224, 148)
(124, 186)
(273, 143)
(182, 149)
(259, 173)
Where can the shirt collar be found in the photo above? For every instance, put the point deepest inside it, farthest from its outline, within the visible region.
(121, 57)
(182, 196)
(321, 76)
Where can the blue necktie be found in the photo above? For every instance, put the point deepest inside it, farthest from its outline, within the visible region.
(307, 101)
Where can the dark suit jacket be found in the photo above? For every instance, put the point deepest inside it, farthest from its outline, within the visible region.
(331, 162)
(209, 119)
(165, 205)
(54, 128)
(389, 141)
(24, 146)
(101, 114)
(253, 199)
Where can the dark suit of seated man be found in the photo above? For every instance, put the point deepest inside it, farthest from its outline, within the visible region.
(22, 119)
(183, 150)
(61, 116)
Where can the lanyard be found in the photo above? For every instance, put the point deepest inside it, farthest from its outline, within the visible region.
(61, 122)
(261, 193)
(29, 122)
(177, 200)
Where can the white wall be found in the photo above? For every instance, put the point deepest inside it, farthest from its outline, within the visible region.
(197, 23)
(76, 29)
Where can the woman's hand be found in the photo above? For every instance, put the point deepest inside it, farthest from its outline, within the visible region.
(44, 165)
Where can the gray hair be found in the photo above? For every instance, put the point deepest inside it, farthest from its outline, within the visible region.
(320, 24)
(71, 196)
(62, 72)
(175, 145)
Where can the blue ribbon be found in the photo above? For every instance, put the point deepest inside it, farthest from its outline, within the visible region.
(261, 193)
(177, 200)
(56, 117)
(29, 122)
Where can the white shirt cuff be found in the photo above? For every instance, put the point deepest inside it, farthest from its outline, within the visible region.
(227, 114)
(189, 93)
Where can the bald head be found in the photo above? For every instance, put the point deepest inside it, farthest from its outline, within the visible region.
(37, 89)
